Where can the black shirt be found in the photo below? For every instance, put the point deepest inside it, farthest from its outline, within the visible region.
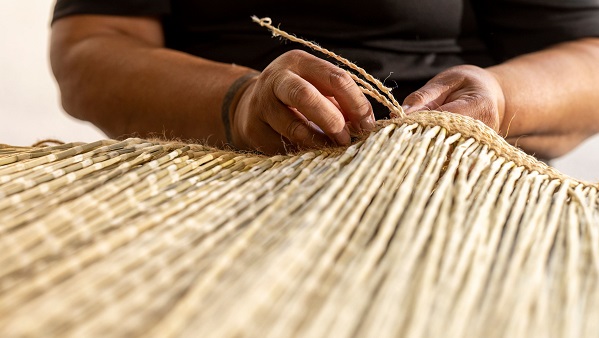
(407, 41)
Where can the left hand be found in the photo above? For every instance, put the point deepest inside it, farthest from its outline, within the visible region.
(466, 90)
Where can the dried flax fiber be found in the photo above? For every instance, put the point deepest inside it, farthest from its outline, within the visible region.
(432, 226)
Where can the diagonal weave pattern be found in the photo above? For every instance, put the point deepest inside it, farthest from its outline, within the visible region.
(418, 230)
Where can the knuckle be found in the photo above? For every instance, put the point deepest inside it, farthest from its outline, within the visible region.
(466, 68)
(341, 80)
(272, 75)
(293, 129)
(303, 95)
(416, 97)
(363, 108)
(294, 54)
(332, 124)
(457, 72)
(269, 71)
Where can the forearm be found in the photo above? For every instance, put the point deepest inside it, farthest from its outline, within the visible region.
(551, 97)
(126, 86)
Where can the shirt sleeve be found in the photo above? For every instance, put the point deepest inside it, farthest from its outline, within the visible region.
(111, 7)
(514, 27)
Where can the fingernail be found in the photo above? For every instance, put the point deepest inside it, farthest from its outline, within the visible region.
(342, 138)
(367, 123)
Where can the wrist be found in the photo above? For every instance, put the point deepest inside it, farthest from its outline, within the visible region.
(231, 101)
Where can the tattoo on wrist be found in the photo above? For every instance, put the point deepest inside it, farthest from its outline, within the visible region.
(230, 101)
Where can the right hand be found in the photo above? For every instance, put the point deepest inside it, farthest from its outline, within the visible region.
(299, 101)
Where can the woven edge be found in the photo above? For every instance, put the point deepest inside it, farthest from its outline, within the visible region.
(469, 127)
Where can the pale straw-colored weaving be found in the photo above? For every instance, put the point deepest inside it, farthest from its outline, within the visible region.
(432, 226)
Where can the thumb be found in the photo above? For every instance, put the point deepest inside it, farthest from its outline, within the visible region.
(430, 97)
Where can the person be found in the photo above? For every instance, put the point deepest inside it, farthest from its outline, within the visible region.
(202, 70)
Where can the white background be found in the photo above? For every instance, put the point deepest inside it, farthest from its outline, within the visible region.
(29, 100)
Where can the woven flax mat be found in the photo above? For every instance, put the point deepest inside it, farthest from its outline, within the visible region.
(430, 227)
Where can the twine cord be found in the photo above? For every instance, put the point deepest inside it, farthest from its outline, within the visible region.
(387, 98)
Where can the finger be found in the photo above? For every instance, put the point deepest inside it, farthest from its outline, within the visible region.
(294, 126)
(435, 92)
(266, 140)
(354, 130)
(429, 97)
(333, 81)
(332, 99)
(312, 124)
(294, 91)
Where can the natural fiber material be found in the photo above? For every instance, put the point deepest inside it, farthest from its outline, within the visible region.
(418, 230)
(432, 226)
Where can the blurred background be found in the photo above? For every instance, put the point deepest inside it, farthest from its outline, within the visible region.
(30, 106)
(29, 102)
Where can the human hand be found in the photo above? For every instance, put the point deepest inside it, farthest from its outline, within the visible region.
(465, 90)
(299, 101)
